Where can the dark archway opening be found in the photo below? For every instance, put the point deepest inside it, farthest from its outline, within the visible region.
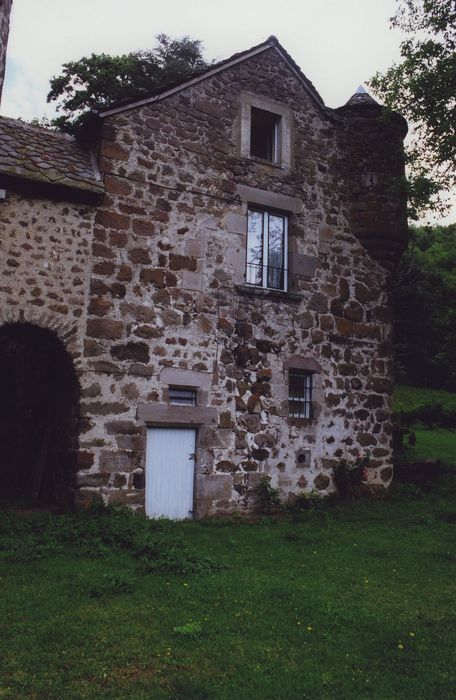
(39, 398)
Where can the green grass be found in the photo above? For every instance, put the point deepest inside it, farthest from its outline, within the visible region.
(348, 602)
(406, 398)
(351, 602)
(430, 444)
(436, 443)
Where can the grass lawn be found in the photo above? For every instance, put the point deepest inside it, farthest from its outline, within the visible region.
(407, 398)
(348, 602)
(437, 442)
(434, 443)
(351, 602)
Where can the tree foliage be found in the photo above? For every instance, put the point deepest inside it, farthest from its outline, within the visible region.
(423, 88)
(101, 80)
(424, 295)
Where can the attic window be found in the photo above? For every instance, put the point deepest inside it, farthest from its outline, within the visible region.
(182, 396)
(264, 134)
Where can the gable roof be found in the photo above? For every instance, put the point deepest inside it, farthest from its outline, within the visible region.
(48, 161)
(271, 43)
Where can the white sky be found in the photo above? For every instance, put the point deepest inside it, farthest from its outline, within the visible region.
(338, 44)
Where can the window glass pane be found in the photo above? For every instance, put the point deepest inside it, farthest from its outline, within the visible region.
(255, 248)
(276, 253)
(263, 128)
(182, 396)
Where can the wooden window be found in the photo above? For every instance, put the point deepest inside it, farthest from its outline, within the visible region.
(264, 134)
(267, 250)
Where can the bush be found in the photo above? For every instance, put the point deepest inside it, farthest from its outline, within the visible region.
(348, 476)
(268, 497)
(431, 415)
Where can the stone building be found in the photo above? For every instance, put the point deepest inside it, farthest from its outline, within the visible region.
(204, 286)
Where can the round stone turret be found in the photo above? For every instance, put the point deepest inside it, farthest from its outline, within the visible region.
(374, 165)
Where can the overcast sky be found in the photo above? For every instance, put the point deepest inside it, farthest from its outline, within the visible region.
(339, 44)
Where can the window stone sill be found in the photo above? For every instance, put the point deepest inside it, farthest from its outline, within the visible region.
(263, 161)
(263, 293)
(301, 422)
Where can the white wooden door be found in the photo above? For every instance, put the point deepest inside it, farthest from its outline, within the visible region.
(170, 469)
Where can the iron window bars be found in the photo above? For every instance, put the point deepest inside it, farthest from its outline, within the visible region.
(182, 396)
(299, 394)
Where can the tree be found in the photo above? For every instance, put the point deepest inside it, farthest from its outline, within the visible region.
(424, 290)
(423, 88)
(101, 80)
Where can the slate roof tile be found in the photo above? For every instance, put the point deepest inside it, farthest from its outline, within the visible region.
(34, 153)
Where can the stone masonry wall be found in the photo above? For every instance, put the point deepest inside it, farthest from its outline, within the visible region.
(45, 264)
(168, 300)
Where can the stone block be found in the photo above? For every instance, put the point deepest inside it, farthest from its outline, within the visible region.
(138, 352)
(84, 459)
(104, 328)
(344, 326)
(111, 219)
(131, 442)
(123, 497)
(92, 479)
(99, 306)
(225, 420)
(362, 330)
(192, 280)
(143, 227)
(321, 482)
(139, 256)
(182, 262)
(194, 248)
(235, 257)
(102, 408)
(225, 465)
(117, 461)
(214, 487)
(236, 223)
(110, 149)
(303, 265)
(318, 302)
(116, 185)
(122, 427)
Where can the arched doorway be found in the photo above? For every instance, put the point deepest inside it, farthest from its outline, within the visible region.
(39, 396)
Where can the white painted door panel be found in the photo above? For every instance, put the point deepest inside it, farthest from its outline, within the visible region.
(170, 468)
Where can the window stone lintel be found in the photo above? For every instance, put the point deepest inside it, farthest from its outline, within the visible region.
(172, 415)
(271, 200)
(308, 364)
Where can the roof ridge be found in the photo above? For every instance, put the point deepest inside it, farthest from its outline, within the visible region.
(36, 127)
(170, 88)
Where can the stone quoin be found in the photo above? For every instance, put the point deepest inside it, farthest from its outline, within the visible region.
(216, 258)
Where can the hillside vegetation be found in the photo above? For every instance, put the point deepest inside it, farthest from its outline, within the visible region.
(424, 294)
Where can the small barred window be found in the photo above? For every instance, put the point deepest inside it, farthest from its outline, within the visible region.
(182, 396)
(299, 394)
